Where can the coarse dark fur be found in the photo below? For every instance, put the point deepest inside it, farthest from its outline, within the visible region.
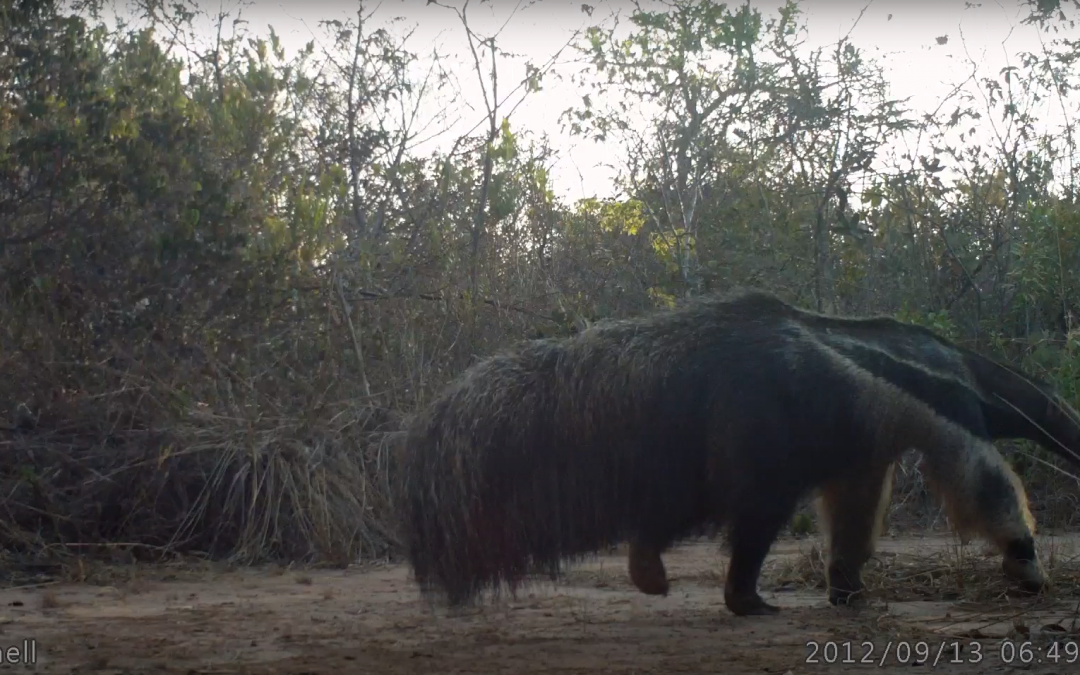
(727, 411)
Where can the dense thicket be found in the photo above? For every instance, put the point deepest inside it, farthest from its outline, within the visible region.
(226, 273)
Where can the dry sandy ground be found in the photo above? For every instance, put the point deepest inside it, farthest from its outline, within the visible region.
(369, 620)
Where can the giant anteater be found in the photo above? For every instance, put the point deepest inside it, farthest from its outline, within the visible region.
(726, 411)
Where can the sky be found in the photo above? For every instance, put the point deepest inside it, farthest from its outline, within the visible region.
(900, 34)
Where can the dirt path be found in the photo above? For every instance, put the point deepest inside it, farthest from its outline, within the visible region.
(368, 620)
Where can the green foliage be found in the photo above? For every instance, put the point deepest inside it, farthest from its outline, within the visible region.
(661, 298)
(619, 217)
(938, 321)
(802, 524)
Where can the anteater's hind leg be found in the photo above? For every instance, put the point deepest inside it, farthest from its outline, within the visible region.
(674, 512)
(755, 524)
(647, 567)
(984, 497)
(851, 512)
(647, 547)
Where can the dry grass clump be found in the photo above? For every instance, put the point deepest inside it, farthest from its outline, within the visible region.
(153, 468)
